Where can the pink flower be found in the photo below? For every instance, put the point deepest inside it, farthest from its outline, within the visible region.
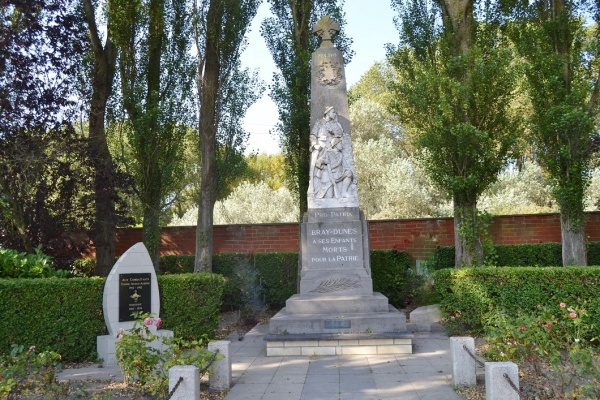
(523, 328)
(31, 349)
(148, 321)
(573, 315)
(562, 305)
(549, 325)
(158, 322)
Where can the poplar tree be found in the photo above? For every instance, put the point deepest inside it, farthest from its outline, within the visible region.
(153, 38)
(454, 86)
(561, 65)
(224, 92)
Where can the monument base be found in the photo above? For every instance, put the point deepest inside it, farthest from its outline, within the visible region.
(337, 314)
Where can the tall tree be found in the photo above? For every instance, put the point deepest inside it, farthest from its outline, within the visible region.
(455, 84)
(156, 75)
(289, 39)
(564, 85)
(102, 76)
(224, 93)
(40, 161)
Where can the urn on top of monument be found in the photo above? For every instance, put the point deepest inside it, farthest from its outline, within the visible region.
(332, 175)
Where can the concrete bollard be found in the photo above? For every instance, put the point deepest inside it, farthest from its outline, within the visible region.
(497, 386)
(189, 387)
(463, 365)
(220, 378)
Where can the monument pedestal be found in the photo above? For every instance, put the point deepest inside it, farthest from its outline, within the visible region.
(337, 311)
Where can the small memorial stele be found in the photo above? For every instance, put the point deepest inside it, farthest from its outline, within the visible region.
(131, 287)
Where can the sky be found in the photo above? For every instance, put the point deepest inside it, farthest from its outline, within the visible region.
(370, 25)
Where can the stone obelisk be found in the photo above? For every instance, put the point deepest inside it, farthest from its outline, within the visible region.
(336, 290)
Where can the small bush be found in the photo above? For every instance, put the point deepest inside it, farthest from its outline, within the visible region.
(27, 372)
(14, 264)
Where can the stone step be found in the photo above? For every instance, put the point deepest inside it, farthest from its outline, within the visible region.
(372, 322)
(301, 304)
(325, 344)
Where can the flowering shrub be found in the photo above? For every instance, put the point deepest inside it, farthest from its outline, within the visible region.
(24, 372)
(556, 336)
(529, 337)
(143, 363)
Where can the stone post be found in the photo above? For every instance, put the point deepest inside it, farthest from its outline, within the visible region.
(189, 387)
(463, 365)
(220, 378)
(498, 386)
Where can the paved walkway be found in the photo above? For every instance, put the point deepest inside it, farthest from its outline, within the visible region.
(425, 374)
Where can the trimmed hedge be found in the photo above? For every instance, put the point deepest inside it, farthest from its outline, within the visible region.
(190, 304)
(62, 315)
(470, 294)
(393, 276)
(519, 255)
(65, 315)
(276, 274)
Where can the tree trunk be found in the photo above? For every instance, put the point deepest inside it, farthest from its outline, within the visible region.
(104, 180)
(457, 16)
(151, 229)
(467, 239)
(152, 192)
(207, 145)
(572, 231)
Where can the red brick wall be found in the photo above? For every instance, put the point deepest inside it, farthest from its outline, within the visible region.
(418, 237)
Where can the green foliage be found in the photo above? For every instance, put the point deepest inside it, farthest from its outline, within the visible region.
(191, 303)
(83, 267)
(62, 315)
(560, 60)
(276, 277)
(551, 334)
(135, 355)
(252, 203)
(593, 253)
(517, 255)
(14, 264)
(24, 373)
(393, 276)
(470, 296)
(65, 315)
(455, 86)
(177, 264)
(141, 362)
(278, 274)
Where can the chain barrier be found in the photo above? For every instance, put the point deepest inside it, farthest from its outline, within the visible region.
(175, 388)
(473, 356)
(212, 360)
(512, 384)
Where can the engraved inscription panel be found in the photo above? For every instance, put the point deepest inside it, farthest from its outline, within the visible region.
(337, 324)
(334, 244)
(135, 295)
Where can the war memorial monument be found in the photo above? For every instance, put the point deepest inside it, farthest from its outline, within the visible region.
(336, 311)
